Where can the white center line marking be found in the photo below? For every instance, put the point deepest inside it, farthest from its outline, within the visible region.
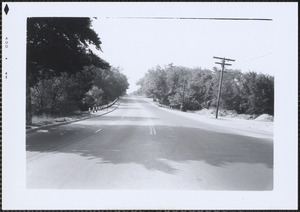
(150, 129)
(154, 129)
(98, 130)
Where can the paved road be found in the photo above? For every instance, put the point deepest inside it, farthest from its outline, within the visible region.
(142, 146)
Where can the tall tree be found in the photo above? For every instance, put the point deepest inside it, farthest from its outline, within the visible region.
(56, 45)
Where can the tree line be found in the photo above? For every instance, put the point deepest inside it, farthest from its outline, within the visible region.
(63, 74)
(196, 88)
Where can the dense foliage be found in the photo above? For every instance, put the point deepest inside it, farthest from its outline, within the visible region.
(63, 74)
(194, 89)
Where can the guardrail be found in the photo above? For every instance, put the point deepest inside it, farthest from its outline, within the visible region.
(102, 107)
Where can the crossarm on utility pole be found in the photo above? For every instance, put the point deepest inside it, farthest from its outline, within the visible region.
(226, 64)
(223, 58)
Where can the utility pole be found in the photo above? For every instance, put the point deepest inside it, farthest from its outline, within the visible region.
(183, 93)
(221, 78)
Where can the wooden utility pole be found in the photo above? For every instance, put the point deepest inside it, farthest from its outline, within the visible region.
(221, 78)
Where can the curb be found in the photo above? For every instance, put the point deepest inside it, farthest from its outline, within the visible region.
(69, 122)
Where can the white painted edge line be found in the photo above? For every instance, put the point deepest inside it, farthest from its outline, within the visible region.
(98, 130)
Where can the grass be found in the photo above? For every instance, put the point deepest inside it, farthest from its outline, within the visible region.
(42, 119)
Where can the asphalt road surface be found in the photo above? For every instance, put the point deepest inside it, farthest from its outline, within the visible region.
(143, 146)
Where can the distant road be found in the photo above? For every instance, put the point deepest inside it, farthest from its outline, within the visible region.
(142, 146)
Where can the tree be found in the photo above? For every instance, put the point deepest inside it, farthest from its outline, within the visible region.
(197, 88)
(155, 85)
(94, 97)
(201, 85)
(258, 93)
(51, 96)
(60, 44)
(142, 89)
(80, 83)
(119, 82)
(61, 94)
(183, 89)
(112, 82)
(56, 45)
(172, 78)
(174, 83)
(231, 90)
(265, 84)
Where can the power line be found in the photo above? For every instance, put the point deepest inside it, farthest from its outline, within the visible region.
(196, 18)
(254, 58)
(265, 47)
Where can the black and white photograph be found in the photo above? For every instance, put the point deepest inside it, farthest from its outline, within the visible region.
(149, 105)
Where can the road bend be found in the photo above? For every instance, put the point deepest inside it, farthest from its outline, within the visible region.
(142, 146)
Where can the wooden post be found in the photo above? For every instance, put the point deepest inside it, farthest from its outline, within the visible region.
(221, 79)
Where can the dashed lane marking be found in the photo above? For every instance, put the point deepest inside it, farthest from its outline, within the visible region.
(98, 130)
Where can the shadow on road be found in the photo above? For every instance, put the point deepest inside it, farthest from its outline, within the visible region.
(129, 108)
(134, 144)
(126, 118)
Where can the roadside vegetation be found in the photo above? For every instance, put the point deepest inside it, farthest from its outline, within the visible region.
(63, 73)
(197, 89)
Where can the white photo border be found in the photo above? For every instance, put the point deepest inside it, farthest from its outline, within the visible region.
(14, 192)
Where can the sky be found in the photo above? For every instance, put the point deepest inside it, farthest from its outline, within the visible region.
(137, 45)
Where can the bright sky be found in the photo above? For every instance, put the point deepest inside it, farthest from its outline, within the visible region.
(137, 45)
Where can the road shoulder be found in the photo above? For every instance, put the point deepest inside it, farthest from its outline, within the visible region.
(253, 128)
(68, 120)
